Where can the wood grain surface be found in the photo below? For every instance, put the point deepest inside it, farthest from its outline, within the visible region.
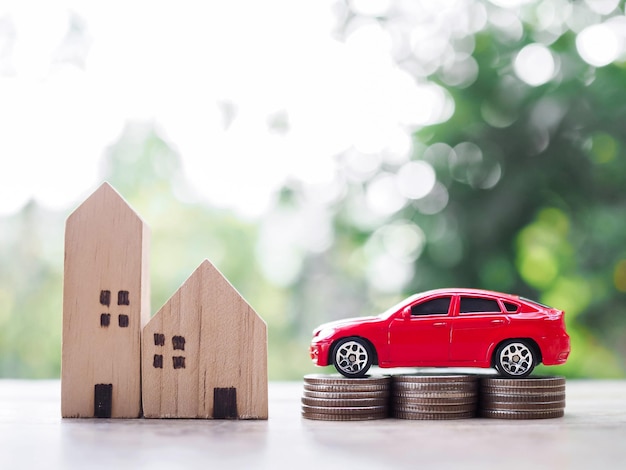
(590, 435)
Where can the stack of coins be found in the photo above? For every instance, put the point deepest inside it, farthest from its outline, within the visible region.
(528, 398)
(337, 398)
(434, 396)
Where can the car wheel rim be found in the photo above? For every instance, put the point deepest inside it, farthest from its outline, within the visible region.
(352, 357)
(516, 359)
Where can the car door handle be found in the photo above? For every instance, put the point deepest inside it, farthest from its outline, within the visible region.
(497, 322)
(439, 324)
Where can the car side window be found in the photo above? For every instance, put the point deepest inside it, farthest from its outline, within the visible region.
(510, 307)
(438, 306)
(479, 305)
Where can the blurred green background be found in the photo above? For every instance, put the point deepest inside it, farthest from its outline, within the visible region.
(518, 184)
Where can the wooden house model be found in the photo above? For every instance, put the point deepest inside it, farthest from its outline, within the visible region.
(105, 306)
(205, 353)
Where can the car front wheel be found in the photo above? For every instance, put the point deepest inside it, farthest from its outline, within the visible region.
(515, 358)
(352, 357)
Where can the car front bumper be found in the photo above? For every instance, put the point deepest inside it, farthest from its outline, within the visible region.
(319, 352)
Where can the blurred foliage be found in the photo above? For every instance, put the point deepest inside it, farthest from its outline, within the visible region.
(529, 199)
(147, 173)
(530, 182)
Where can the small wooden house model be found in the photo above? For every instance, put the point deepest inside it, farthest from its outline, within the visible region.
(205, 353)
(105, 306)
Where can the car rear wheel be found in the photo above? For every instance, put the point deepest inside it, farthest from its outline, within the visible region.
(515, 358)
(352, 357)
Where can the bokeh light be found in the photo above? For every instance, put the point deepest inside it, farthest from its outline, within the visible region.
(598, 45)
(416, 179)
(384, 196)
(535, 64)
(619, 276)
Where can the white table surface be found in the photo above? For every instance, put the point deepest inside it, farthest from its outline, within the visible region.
(592, 435)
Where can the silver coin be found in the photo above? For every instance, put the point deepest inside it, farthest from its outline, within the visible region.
(526, 382)
(434, 378)
(528, 406)
(523, 392)
(322, 379)
(346, 388)
(432, 416)
(354, 402)
(435, 387)
(522, 398)
(345, 410)
(435, 409)
(382, 394)
(350, 417)
(442, 401)
(430, 394)
(507, 414)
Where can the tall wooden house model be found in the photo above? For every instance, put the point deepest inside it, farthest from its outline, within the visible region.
(105, 306)
(203, 355)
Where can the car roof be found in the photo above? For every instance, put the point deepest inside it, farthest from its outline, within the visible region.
(466, 291)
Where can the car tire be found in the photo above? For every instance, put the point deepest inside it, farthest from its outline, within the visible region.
(515, 358)
(352, 357)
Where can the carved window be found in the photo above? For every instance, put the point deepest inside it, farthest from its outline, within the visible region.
(157, 361)
(105, 319)
(123, 321)
(105, 297)
(178, 362)
(159, 339)
(178, 342)
(122, 298)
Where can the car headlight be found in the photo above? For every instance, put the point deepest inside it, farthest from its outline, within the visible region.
(325, 333)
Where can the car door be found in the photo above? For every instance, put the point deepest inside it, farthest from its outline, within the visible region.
(478, 323)
(421, 334)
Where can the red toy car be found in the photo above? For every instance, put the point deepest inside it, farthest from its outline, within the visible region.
(447, 328)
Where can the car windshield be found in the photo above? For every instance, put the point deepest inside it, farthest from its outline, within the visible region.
(387, 313)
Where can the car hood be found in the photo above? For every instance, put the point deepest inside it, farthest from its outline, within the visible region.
(346, 322)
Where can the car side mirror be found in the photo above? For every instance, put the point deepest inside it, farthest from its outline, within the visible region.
(406, 313)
